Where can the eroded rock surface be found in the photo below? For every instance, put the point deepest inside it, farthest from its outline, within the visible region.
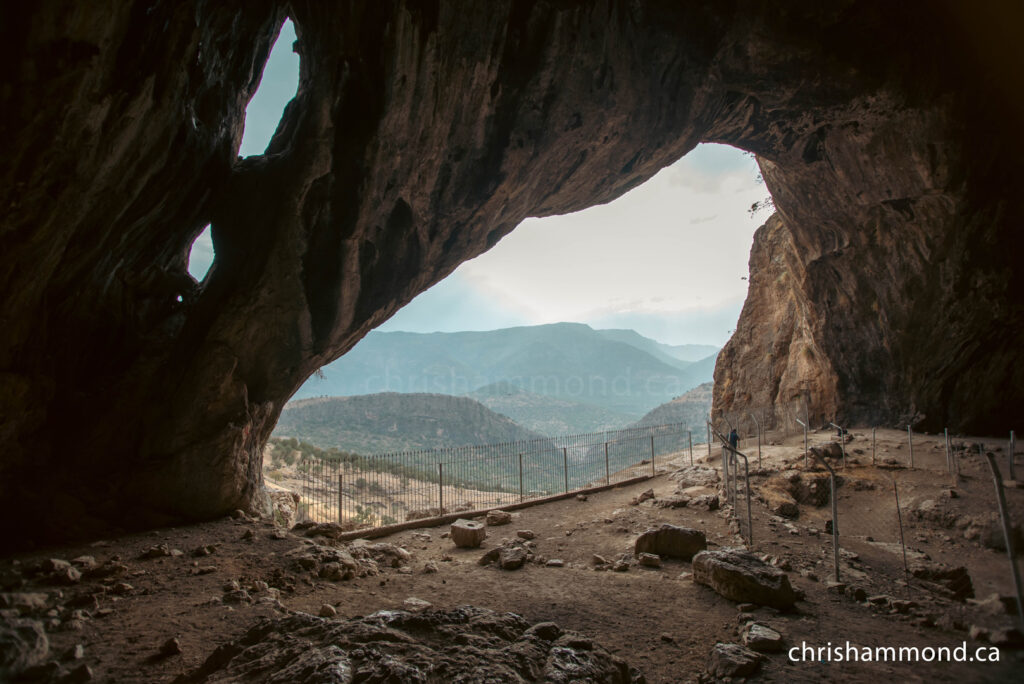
(742, 577)
(462, 644)
(132, 396)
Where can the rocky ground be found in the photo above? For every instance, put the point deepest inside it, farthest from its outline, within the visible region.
(591, 594)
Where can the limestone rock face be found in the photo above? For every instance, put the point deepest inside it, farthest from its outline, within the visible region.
(421, 133)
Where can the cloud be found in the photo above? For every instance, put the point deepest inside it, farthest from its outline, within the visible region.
(456, 304)
(712, 325)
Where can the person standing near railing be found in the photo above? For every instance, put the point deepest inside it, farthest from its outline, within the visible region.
(734, 438)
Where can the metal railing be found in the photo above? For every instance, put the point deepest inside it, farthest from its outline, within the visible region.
(371, 491)
(731, 482)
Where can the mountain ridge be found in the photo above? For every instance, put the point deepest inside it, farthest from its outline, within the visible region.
(393, 421)
(616, 371)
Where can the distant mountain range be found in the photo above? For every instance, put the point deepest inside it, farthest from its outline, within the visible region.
(688, 353)
(549, 416)
(558, 378)
(389, 422)
(691, 409)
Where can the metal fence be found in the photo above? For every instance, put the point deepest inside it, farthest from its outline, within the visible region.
(875, 519)
(370, 491)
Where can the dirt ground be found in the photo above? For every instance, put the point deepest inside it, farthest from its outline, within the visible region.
(657, 619)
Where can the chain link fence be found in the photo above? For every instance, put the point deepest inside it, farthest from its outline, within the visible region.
(370, 491)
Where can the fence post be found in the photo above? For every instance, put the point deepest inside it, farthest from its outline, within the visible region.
(903, 544)
(1007, 534)
(805, 440)
(746, 486)
(842, 440)
(652, 455)
(709, 438)
(341, 517)
(1013, 449)
(725, 472)
(835, 516)
(440, 487)
(758, 424)
(689, 435)
(949, 461)
(607, 472)
(520, 477)
(565, 467)
(910, 439)
(873, 445)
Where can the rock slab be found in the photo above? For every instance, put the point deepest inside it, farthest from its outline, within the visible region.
(742, 577)
(498, 517)
(671, 541)
(401, 646)
(761, 638)
(733, 660)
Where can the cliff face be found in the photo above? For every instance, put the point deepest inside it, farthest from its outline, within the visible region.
(886, 278)
(773, 364)
(420, 135)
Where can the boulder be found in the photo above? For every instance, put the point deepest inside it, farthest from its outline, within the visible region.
(733, 660)
(643, 496)
(671, 541)
(775, 495)
(707, 502)
(415, 605)
(498, 517)
(695, 475)
(697, 496)
(649, 560)
(285, 506)
(831, 452)
(761, 638)
(23, 644)
(813, 488)
(955, 580)
(512, 557)
(742, 577)
(467, 534)
(25, 603)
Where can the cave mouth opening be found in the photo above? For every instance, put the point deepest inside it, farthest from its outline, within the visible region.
(668, 260)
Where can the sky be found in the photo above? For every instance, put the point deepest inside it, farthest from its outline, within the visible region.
(667, 259)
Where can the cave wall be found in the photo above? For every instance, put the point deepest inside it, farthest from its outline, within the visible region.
(421, 133)
(892, 256)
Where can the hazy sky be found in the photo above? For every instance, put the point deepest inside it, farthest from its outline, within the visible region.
(667, 259)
